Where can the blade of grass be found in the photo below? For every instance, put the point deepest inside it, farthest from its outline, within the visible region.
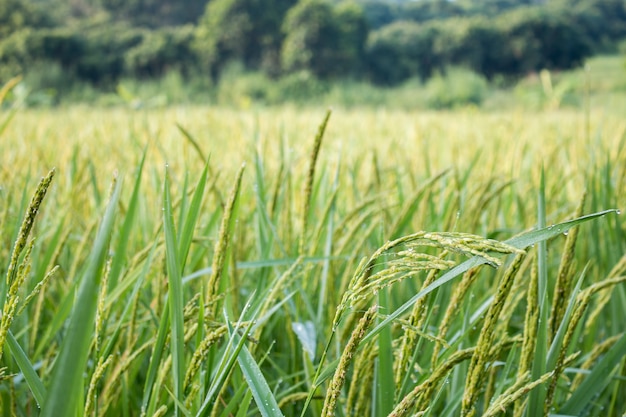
(175, 297)
(191, 218)
(148, 405)
(67, 374)
(122, 242)
(261, 392)
(536, 398)
(30, 375)
(596, 381)
(231, 353)
(384, 377)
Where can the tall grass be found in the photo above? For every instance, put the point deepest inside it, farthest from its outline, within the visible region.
(385, 263)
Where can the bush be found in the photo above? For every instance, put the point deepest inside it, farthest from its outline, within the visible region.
(457, 87)
(324, 39)
(161, 51)
(402, 50)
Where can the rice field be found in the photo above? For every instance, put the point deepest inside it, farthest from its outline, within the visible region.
(199, 261)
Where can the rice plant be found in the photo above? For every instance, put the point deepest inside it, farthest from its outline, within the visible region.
(205, 263)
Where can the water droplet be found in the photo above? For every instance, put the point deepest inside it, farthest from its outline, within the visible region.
(618, 212)
(565, 233)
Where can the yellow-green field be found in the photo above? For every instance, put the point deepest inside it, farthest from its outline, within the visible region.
(181, 291)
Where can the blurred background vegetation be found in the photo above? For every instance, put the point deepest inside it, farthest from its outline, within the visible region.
(414, 54)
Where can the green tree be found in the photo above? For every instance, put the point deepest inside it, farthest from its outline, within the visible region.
(20, 14)
(241, 30)
(155, 13)
(402, 50)
(324, 39)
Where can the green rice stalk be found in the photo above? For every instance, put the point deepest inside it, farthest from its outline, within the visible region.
(346, 236)
(583, 300)
(514, 394)
(200, 354)
(292, 398)
(35, 292)
(100, 309)
(355, 213)
(323, 222)
(408, 209)
(606, 294)
(336, 384)
(175, 298)
(95, 378)
(357, 246)
(453, 307)
(308, 184)
(221, 246)
(592, 357)
(490, 385)
(112, 384)
(486, 197)
(463, 243)
(406, 326)
(12, 296)
(160, 412)
(563, 286)
(476, 371)
(410, 401)
(194, 390)
(518, 293)
(530, 330)
(359, 397)
(272, 297)
(415, 322)
(277, 188)
(27, 225)
(79, 254)
(194, 143)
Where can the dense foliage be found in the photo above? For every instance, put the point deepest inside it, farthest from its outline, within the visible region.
(376, 40)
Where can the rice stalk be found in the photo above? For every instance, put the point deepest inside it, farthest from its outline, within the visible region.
(95, 378)
(606, 294)
(308, 184)
(410, 401)
(476, 371)
(337, 382)
(12, 297)
(598, 350)
(221, 246)
(358, 401)
(415, 322)
(201, 351)
(459, 292)
(515, 393)
(563, 284)
(583, 299)
(530, 330)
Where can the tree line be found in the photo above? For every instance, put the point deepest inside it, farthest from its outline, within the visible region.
(386, 42)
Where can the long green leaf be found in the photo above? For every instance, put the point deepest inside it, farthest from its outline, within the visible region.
(30, 375)
(256, 381)
(537, 396)
(122, 241)
(596, 381)
(175, 300)
(385, 393)
(66, 384)
(190, 219)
